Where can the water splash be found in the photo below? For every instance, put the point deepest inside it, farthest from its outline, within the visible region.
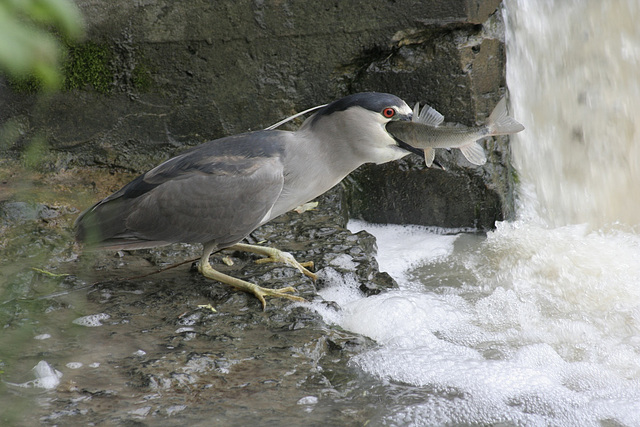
(534, 326)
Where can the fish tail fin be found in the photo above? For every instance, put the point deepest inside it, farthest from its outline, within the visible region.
(474, 153)
(429, 155)
(500, 123)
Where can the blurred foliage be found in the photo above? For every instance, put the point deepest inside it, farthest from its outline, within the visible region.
(27, 44)
(35, 153)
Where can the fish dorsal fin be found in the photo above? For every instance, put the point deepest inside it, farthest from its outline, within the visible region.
(474, 153)
(430, 117)
(429, 155)
(416, 112)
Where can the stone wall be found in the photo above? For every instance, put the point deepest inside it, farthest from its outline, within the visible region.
(155, 76)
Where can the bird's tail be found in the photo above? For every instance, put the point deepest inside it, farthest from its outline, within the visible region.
(102, 226)
(99, 223)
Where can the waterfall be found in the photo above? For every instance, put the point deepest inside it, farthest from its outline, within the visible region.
(572, 72)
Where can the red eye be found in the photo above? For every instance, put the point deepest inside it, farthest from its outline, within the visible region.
(388, 112)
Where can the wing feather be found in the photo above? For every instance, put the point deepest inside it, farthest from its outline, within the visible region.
(217, 192)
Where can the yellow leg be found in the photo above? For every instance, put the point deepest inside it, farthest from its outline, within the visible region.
(209, 272)
(276, 255)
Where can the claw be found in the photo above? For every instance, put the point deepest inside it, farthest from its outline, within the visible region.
(261, 292)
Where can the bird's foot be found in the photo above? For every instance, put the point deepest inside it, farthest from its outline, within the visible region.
(209, 272)
(261, 292)
(276, 255)
(287, 258)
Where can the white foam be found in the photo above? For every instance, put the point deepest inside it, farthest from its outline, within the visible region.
(343, 261)
(579, 268)
(406, 246)
(46, 377)
(42, 337)
(544, 332)
(92, 320)
(308, 400)
(343, 289)
(400, 317)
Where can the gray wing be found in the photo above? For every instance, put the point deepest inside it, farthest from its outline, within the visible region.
(214, 193)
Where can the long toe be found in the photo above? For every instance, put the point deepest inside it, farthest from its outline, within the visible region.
(276, 255)
(260, 292)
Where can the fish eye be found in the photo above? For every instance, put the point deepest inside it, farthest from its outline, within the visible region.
(388, 112)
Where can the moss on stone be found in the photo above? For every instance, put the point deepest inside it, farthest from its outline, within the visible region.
(515, 176)
(88, 64)
(26, 84)
(141, 78)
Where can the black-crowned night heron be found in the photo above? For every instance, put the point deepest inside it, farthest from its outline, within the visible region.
(219, 192)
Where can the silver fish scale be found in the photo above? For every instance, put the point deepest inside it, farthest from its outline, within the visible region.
(424, 136)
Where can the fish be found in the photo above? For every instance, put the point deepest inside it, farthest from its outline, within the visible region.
(424, 132)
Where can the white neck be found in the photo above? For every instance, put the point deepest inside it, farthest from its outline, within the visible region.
(319, 155)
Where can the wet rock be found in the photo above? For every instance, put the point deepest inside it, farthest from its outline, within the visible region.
(320, 236)
(457, 197)
(23, 211)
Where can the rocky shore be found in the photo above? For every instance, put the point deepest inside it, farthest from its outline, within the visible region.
(151, 349)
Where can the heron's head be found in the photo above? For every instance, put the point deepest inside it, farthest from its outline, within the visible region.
(359, 122)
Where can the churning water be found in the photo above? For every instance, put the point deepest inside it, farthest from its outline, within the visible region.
(538, 323)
